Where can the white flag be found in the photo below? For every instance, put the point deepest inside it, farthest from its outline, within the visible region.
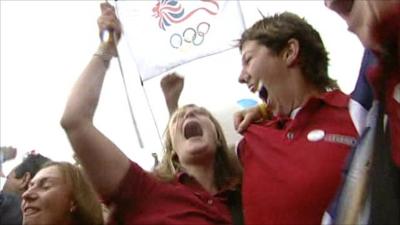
(163, 34)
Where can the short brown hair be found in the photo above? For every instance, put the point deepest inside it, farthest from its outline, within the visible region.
(275, 31)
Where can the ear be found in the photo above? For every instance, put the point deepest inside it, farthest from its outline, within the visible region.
(72, 207)
(218, 140)
(25, 181)
(175, 157)
(291, 53)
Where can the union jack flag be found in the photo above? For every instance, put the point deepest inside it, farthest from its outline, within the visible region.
(171, 11)
(352, 204)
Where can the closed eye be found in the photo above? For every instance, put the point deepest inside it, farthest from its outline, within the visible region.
(246, 60)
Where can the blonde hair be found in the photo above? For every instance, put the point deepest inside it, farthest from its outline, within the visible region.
(88, 207)
(227, 172)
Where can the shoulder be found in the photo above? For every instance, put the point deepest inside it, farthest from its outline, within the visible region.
(10, 212)
(335, 98)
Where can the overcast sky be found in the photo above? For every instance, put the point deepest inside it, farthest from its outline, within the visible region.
(46, 44)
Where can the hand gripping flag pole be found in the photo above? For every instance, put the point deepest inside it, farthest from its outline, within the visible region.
(110, 36)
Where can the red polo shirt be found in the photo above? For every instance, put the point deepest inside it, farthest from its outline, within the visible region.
(386, 76)
(292, 168)
(143, 199)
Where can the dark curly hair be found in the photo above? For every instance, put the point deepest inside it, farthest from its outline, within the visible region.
(32, 163)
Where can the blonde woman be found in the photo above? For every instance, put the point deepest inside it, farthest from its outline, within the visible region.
(60, 194)
(192, 184)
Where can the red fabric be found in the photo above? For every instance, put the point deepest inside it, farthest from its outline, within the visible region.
(142, 199)
(292, 181)
(385, 78)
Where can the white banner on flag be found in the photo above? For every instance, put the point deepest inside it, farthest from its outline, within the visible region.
(163, 34)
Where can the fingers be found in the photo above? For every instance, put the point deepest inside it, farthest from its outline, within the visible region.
(167, 80)
(174, 76)
(244, 118)
(172, 79)
(244, 124)
(105, 6)
(108, 20)
(237, 119)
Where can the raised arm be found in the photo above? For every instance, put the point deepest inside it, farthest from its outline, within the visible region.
(172, 85)
(104, 163)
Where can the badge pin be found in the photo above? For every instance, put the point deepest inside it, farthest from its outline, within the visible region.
(396, 93)
(316, 135)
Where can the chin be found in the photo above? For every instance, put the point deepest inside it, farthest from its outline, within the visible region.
(30, 222)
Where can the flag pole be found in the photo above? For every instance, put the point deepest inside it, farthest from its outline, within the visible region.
(112, 38)
(159, 132)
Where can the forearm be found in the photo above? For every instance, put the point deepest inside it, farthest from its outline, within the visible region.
(172, 106)
(104, 163)
(85, 94)
(102, 160)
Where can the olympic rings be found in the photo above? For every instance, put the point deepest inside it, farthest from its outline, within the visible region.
(190, 35)
(202, 25)
(192, 31)
(172, 40)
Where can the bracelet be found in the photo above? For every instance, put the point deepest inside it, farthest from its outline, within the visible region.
(262, 108)
(104, 56)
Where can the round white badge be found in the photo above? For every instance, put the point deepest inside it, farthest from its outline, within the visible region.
(396, 93)
(316, 135)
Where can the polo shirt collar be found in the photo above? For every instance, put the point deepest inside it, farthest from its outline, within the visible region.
(334, 98)
(183, 177)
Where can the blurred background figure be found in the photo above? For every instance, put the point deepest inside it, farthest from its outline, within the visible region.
(9, 213)
(6, 154)
(19, 177)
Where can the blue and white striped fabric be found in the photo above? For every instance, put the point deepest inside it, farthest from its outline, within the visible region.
(351, 204)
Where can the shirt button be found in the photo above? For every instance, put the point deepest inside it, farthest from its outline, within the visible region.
(210, 201)
(290, 135)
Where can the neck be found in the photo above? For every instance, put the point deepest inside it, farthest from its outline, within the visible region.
(204, 175)
(287, 97)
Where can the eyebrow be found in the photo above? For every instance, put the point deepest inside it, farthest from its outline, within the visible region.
(244, 56)
(44, 180)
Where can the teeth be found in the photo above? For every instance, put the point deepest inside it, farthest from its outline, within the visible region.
(30, 211)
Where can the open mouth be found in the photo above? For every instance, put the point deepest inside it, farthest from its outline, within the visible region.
(253, 88)
(192, 129)
(30, 211)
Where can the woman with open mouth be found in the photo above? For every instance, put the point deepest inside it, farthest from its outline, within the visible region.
(193, 183)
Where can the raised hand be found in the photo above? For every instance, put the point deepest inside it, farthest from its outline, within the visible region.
(172, 86)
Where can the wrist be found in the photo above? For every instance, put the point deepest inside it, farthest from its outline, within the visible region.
(105, 53)
(263, 110)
